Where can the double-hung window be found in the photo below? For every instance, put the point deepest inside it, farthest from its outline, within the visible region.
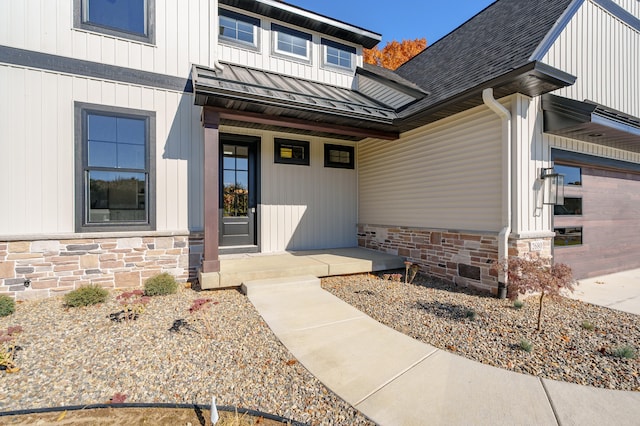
(337, 54)
(290, 42)
(238, 28)
(132, 19)
(114, 172)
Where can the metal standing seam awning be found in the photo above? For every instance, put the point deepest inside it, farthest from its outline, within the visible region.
(263, 98)
(590, 122)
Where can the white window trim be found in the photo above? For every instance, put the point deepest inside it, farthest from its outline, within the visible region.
(278, 52)
(240, 43)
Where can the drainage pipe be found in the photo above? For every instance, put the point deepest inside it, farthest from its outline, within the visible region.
(503, 237)
(214, 28)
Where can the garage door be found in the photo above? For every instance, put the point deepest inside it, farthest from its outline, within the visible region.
(598, 227)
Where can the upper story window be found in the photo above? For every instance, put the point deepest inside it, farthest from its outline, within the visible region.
(239, 28)
(132, 19)
(114, 168)
(291, 42)
(338, 55)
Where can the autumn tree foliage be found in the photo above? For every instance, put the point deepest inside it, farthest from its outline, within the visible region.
(536, 275)
(394, 53)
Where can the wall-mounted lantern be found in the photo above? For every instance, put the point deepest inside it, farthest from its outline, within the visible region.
(553, 186)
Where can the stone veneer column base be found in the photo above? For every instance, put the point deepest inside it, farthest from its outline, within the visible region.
(56, 266)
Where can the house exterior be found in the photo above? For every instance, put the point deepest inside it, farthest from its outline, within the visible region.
(164, 140)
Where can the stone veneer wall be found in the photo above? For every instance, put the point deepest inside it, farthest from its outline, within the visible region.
(55, 266)
(463, 258)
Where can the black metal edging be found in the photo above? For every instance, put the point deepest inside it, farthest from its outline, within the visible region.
(225, 408)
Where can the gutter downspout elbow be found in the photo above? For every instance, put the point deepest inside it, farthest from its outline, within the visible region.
(503, 237)
(215, 62)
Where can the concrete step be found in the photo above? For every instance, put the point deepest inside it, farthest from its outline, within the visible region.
(253, 287)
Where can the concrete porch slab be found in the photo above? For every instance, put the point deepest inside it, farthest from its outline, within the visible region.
(237, 269)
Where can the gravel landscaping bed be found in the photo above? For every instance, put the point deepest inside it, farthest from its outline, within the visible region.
(576, 344)
(74, 356)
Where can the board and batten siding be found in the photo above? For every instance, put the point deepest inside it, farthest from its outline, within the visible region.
(303, 207)
(182, 35)
(37, 159)
(631, 6)
(604, 54)
(446, 175)
(263, 57)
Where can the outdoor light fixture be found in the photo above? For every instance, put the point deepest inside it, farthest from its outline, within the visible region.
(553, 186)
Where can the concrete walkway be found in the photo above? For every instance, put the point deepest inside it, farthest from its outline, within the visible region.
(619, 291)
(396, 380)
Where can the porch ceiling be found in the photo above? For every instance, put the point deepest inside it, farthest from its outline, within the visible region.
(590, 122)
(247, 93)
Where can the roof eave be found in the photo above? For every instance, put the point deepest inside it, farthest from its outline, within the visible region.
(532, 79)
(303, 18)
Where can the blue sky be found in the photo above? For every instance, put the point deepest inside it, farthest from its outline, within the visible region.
(399, 19)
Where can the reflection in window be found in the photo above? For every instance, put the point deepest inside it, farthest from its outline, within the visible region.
(291, 42)
(122, 15)
(291, 152)
(235, 181)
(338, 54)
(116, 176)
(572, 174)
(571, 206)
(567, 237)
(339, 156)
(234, 26)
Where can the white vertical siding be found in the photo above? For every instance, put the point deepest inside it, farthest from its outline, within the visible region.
(263, 58)
(37, 149)
(631, 6)
(445, 175)
(182, 35)
(530, 155)
(604, 53)
(303, 207)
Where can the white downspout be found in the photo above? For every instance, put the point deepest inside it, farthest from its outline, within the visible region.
(503, 237)
(217, 66)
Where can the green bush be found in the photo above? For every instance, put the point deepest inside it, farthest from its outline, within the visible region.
(526, 345)
(518, 304)
(470, 314)
(587, 325)
(7, 305)
(85, 296)
(626, 351)
(160, 285)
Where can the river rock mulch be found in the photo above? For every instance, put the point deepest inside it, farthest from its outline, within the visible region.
(490, 330)
(75, 356)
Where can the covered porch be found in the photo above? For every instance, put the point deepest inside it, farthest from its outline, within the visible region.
(236, 269)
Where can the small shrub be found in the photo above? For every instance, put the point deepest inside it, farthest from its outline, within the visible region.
(160, 285)
(85, 296)
(587, 325)
(518, 304)
(626, 351)
(526, 345)
(7, 305)
(471, 314)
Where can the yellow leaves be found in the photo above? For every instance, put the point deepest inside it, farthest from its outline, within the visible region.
(61, 416)
(291, 362)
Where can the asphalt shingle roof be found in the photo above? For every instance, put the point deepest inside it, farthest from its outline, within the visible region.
(497, 40)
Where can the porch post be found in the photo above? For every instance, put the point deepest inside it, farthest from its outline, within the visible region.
(210, 123)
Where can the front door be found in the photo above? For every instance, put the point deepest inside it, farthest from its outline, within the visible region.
(238, 190)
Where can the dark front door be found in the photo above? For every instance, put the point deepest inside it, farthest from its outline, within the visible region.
(238, 190)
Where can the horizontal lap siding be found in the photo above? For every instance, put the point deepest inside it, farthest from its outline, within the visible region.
(37, 149)
(604, 55)
(445, 175)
